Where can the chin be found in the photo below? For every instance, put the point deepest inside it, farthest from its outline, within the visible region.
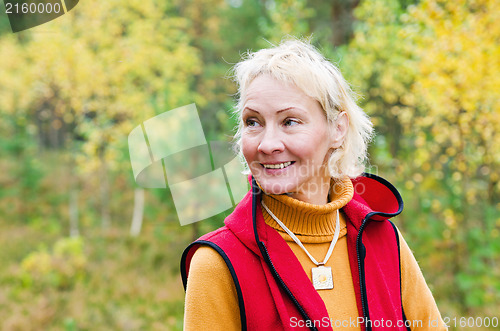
(271, 187)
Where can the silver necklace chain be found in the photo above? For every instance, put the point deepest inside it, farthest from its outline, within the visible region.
(294, 237)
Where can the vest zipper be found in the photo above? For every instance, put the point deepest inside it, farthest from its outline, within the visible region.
(362, 283)
(267, 258)
(277, 277)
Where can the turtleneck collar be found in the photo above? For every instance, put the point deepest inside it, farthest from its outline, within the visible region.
(311, 223)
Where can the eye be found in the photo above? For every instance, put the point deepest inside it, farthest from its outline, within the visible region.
(251, 122)
(290, 122)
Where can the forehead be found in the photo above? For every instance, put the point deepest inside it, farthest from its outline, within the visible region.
(269, 93)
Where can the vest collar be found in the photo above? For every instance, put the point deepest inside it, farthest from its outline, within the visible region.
(374, 198)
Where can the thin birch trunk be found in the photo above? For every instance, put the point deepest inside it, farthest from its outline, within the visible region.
(135, 229)
(104, 188)
(73, 213)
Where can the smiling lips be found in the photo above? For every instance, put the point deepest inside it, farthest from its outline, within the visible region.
(277, 165)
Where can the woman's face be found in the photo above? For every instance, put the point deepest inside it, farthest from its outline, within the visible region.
(286, 140)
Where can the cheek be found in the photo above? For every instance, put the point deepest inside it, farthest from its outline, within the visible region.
(313, 148)
(248, 149)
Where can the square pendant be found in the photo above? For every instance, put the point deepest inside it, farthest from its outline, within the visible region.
(322, 278)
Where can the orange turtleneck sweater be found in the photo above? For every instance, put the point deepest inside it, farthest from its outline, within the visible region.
(211, 300)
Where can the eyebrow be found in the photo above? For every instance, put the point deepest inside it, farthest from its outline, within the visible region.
(279, 111)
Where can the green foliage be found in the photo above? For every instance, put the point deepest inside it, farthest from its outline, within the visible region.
(129, 283)
(61, 268)
(422, 72)
(285, 18)
(72, 89)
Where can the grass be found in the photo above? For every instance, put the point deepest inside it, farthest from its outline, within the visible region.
(129, 283)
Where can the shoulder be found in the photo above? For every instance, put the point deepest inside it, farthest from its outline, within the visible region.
(206, 260)
(408, 261)
(407, 257)
(205, 264)
(207, 254)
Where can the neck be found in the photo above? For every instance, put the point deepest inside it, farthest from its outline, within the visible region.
(317, 195)
(312, 223)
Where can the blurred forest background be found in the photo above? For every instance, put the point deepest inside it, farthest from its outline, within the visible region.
(71, 90)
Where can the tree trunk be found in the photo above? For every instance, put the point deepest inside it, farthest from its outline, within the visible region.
(196, 231)
(342, 19)
(135, 229)
(73, 213)
(104, 188)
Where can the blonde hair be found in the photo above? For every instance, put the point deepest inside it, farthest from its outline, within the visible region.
(300, 63)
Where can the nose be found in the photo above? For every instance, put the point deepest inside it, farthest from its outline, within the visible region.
(271, 142)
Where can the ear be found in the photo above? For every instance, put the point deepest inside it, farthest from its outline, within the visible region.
(339, 130)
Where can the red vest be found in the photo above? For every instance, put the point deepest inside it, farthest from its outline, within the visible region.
(274, 292)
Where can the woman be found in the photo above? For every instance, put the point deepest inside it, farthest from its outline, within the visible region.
(310, 245)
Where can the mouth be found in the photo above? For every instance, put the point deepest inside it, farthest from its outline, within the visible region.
(277, 165)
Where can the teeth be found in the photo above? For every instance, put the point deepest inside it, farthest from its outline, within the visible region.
(277, 166)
